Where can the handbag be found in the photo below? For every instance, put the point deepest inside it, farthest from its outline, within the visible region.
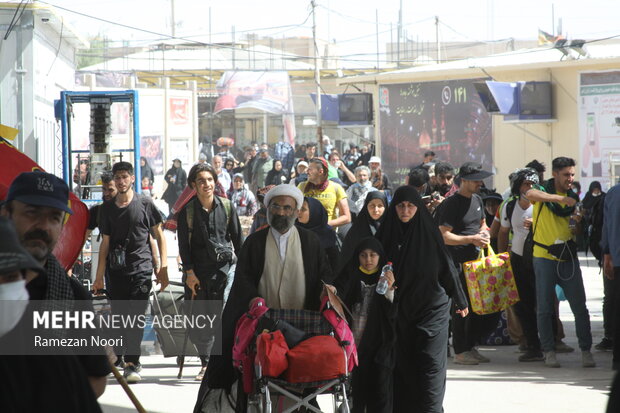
(271, 349)
(490, 282)
(315, 359)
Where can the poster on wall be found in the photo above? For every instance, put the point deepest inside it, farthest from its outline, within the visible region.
(599, 126)
(446, 117)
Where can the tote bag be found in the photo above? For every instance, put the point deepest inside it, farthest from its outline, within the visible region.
(490, 282)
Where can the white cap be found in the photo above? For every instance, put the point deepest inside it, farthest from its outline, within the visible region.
(285, 190)
(374, 159)
(302, 163)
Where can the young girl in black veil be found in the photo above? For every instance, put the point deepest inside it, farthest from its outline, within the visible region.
(404, 345)
(365, 225)
(357, 281)
(356, 285)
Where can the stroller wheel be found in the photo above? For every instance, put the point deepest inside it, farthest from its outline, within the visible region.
(179, 360)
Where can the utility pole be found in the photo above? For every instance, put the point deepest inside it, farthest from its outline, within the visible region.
(399, 30)
(437, 39)
(377, 30)
(172, 22)
(317, 79)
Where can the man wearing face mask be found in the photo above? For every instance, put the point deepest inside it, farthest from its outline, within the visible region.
(282, 263)
(33, 376)
(37, 204)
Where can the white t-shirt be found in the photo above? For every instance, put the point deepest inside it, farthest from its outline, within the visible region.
(516, 222)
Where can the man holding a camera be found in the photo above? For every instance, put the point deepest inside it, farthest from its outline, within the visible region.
(210, 236)
(555, 258)
(126, 222)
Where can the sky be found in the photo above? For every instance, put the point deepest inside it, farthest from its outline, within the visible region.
(351, 23)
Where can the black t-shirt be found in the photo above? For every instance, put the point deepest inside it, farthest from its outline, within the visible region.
(131, 223)
(463, 215)
(93, 218)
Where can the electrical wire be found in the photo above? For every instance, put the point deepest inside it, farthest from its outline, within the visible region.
(162, 36)
(372, 56)
(15, 19)
(62, 27)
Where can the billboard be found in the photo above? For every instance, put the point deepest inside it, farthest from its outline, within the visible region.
(446, 117)
(269, 91)
(599, 125)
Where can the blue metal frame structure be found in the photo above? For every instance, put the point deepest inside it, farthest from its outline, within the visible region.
(68, 98)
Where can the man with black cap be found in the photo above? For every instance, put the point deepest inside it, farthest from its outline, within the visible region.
(462, 223)
(29, 377)
(37, 204)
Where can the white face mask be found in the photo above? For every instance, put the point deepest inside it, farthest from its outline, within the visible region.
(13, 302)
(595, 194)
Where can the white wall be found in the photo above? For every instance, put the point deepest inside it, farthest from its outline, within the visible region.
(47, 67)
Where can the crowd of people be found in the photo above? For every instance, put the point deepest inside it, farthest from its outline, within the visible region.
(331, 221)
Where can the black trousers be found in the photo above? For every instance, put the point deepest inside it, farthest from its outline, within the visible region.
(609, 300)
(466, 331)
(526, 307)
(420, 370)
(614, 286)
(129, 296)
(212, 286)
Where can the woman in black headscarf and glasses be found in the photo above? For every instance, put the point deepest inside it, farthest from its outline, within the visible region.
(411, 354)
(365, 225)
(313, 217)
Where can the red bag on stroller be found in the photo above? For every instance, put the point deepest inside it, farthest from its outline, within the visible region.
(244, 334)
(342, 332)
(271, 349)
(315, 359)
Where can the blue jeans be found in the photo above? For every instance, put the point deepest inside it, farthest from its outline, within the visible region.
(546, 278)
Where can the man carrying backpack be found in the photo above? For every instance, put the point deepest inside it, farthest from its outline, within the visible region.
(516, 216)
(210, 237)
(126, 222)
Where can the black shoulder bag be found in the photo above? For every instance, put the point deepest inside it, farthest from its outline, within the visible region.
(117, 255)
(220, 253)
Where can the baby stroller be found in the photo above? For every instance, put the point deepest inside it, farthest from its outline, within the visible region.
(294, 355)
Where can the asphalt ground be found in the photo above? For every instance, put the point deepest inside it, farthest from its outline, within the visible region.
(504, 385)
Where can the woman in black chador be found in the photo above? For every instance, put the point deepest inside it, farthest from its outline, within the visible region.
(366, 224)
(404, 346)
(176, 178)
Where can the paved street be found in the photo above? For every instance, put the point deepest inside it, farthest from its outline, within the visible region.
(504, 385)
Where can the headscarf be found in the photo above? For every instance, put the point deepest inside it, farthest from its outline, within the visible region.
(275, 177)
(364, 226)
(421, 261)
(146, 170)
(317, 223)
(521, 175)
(348, 281)
(590, 200)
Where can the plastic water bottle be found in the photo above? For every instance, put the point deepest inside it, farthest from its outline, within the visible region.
(382, 284)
